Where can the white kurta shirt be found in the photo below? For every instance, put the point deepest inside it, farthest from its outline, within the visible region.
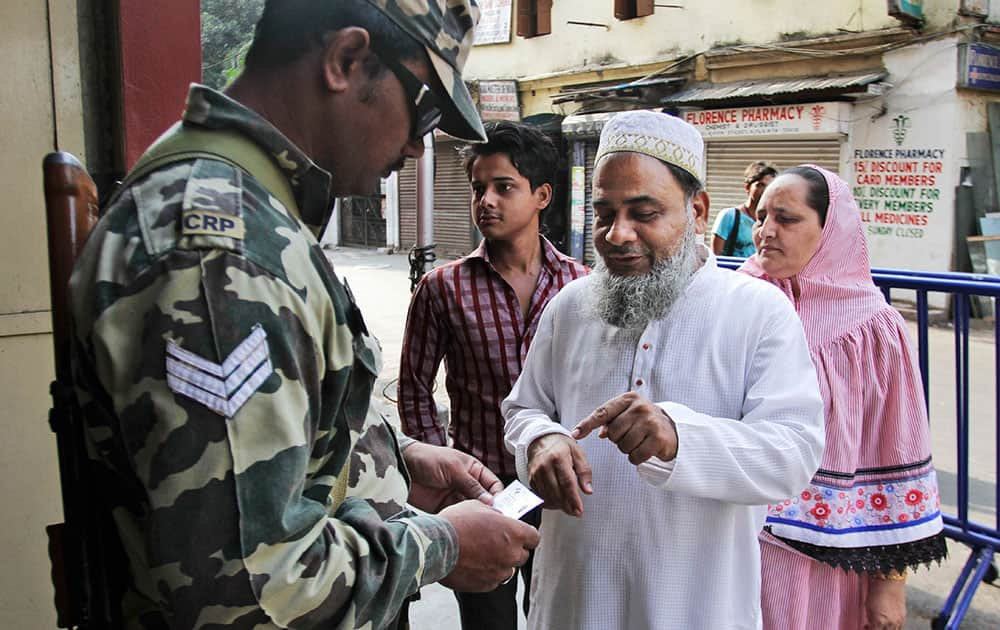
(670, 545)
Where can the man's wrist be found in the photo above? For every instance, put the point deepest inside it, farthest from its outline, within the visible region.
(535, 444)
(523, 452)
(539, 442)
(405, 441)
(435, 436)
(669, 452)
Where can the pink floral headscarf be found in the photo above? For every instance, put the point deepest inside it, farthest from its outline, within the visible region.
(836, 291)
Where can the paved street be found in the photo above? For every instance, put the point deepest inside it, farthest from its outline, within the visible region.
(381, 285)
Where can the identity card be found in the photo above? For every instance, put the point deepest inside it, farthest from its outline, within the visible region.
(516, 500)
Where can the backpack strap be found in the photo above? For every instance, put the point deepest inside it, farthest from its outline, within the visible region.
(730, 247)
(186, 142)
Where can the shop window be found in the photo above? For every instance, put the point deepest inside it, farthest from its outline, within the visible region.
(534, 17)
(629, 9)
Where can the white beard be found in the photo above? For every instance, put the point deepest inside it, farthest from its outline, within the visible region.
(632, 302)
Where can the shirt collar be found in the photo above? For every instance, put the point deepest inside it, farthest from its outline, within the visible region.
(704, 256)
(552, 258)
(310, 184)
(480, 252)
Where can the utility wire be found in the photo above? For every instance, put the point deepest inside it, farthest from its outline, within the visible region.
(820, 53)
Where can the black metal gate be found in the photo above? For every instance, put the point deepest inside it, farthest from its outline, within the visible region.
(362, 221)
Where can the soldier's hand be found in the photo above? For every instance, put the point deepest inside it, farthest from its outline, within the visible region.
(638, 428)
(491, 546)
(558, 470)
(441, 476)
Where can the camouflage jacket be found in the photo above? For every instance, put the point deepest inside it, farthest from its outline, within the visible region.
(224, 375)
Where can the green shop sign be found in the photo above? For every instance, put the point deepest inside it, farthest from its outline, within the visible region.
(908, 11)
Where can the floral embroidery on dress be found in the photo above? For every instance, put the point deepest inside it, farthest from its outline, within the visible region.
(870, 505)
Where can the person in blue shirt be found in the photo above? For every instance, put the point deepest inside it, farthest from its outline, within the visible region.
(756, 177)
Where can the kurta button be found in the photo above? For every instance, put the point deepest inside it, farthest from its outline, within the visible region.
(645, 346)
(638, 383)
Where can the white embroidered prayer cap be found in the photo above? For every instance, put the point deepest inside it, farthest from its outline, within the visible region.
(656, 134)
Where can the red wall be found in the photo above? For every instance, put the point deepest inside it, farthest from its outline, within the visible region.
(161, 56)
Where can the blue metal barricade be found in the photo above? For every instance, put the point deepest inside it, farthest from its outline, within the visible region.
(983, 540)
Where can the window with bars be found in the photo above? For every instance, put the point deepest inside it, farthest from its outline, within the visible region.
(534, 17)
(629, 9)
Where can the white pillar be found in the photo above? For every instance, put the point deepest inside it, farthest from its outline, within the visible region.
(425, 194)
(392, 212)
(331, 236)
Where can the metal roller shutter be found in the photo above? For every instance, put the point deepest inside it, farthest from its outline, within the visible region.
(408, 205)
(726, 162)
(728, 159)
(453, 227)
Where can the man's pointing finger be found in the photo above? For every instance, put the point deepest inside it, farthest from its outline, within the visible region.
(603, 415)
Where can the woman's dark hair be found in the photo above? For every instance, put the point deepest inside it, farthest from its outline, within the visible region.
(819, 192)
(288, 29)
(529, 150)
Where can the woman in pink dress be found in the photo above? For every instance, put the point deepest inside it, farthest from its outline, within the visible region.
(836, 555)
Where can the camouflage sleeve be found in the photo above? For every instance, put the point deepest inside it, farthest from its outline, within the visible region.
(236, 393)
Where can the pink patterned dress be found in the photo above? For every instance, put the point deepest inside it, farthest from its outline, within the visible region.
(874, 504)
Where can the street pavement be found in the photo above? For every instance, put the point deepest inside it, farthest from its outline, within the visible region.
(381, 285)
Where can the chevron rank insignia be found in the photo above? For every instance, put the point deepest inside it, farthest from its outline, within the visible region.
(222, 387)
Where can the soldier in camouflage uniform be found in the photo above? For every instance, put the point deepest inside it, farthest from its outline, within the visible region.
(225, 373)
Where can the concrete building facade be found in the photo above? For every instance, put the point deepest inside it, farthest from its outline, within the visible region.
(878, 91)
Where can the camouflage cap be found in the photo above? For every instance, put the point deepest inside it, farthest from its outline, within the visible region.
(446, 29)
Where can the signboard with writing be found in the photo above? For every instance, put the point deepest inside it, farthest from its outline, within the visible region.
(979, 66)
(498, 100)
(774, 120)
(494, 22)
(897, 189)
(577, 210)
(975, 8)
(909, 11)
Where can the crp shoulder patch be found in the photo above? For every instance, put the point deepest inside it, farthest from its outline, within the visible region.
(205, 222)
(211, 214)
(222, 387)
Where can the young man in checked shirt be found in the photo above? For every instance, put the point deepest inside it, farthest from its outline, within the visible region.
(479, 314)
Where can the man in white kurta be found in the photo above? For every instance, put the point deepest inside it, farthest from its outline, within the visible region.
(665, 544)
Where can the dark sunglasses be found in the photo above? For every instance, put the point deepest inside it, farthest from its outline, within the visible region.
(425, 107)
